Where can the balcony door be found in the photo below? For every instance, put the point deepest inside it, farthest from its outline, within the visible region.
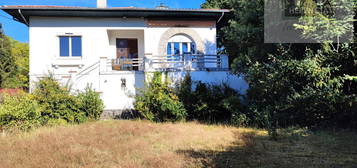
(127, 50)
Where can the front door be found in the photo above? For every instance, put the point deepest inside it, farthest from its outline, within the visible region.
(127, 53)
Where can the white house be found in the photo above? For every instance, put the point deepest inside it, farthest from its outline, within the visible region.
(114, 49)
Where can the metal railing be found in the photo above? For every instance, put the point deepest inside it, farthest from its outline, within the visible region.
(170, 63)
(189, 62)
(127, 64)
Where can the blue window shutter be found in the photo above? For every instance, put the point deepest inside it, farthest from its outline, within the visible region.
(76, 46)
(64, 46)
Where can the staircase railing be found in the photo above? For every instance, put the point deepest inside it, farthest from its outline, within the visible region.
(88, 69)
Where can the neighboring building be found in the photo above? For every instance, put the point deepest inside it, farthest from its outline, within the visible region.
(114, 49)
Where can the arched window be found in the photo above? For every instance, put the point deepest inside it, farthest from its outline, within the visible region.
(180, 44)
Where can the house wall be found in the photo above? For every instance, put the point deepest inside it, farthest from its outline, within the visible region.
(136, 34)
(154, 34)
(98, 43)
(117, 97)
(214, 77)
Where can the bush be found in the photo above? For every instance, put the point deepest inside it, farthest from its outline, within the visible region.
(91, 103)
(240, 120)
(50, 104)
(19, 112)
(56, 122)
(209, 103)
(158, 101)
(57, 102)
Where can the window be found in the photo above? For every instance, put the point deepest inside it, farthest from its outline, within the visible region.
(179, 45)
(70, 46)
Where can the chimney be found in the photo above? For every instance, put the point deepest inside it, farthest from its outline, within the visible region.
(162, 6)
(101, 3)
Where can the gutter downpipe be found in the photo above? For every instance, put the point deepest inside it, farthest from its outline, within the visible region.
(23, 17)
(220, 17)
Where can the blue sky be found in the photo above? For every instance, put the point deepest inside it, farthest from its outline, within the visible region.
(19, 31)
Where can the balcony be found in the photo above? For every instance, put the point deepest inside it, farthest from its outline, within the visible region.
(187, 62)
(130, 64)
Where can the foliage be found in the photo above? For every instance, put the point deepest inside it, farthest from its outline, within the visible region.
(333, 23)
(290, 84)
(7, 62)
(14, 63)
(158, 101)
(242, 37)
(91, 103)
(57, 102)
(20, 52)
(19, 112)
(209, 103)
(50, 104)
(56, 122)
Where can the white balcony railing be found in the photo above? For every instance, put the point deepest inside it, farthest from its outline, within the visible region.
(185, 62)
(128, 64)
(189, 62)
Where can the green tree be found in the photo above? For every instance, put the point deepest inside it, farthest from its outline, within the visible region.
(332, 23)
(20, 52)
(14, 63)
(290, 84)
(7, 62)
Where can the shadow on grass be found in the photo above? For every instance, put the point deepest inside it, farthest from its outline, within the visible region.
(292, 149)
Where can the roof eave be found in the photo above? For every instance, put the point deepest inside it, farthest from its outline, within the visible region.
(112, 12)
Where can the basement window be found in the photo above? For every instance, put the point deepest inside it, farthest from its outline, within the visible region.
(70, 46)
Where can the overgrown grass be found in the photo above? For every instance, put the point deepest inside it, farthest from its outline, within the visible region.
(145, 144)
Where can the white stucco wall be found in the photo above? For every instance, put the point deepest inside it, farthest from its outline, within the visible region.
(114, 95)
(215, 78)
(98, 43)
(153, 35)
(98, 40)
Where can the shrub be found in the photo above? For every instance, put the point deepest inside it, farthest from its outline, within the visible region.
(158, 101)
(240, 120)
(57, 102)
(56, 122)
(91, 103)
(50, 104)
(209, 103)
(19, 112)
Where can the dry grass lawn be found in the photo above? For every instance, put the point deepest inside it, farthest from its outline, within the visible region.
(144, 144)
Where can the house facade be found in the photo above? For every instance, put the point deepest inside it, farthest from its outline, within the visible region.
(115, 50)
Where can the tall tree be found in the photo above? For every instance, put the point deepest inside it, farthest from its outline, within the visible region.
(290, 84)
(14, 63)
(20, 53)
(7, 62)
